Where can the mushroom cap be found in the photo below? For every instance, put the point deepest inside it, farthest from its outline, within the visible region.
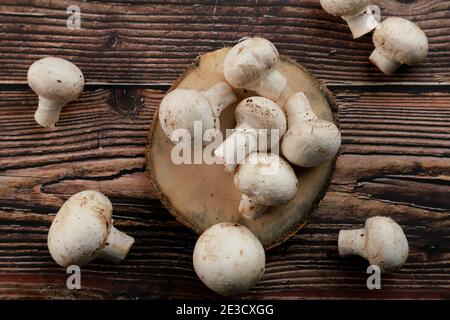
(56, 79)
(261, 113)
(180, 108)
(228, 258)
(267, 178)
(341, 8)
(386, 245)
(401, 40)
(247, 63)
(80, 228)
(311, 143)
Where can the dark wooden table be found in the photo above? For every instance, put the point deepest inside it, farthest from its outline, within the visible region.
(395, 156)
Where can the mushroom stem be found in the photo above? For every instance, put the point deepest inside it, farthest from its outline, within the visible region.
(363, 22)
(272, 85)
(251, 209)
(47, 113)
(220, 96)
(384, 63)
(237, 147)
(298, 109)
(117, 246)
(352, 242)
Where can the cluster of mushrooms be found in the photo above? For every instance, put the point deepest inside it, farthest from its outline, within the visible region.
(397, 40)
(265, 179)
(228, 257)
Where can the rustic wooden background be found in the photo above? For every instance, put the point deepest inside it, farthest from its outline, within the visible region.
(395, 156)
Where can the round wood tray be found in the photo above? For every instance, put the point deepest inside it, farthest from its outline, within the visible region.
(200, 195)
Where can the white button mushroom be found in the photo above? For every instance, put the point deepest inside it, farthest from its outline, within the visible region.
(398, 41)
(252, 115)
(251, 65)
(309, 141)
(57, 82)
(265, 179)
(381, 241)
(229, 259)
(359, 14)
(180, 108)
(82, 230)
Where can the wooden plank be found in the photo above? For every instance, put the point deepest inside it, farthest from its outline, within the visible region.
(395, 161)
(154, 42)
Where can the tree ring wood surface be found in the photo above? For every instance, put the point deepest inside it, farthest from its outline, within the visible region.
(200, 195)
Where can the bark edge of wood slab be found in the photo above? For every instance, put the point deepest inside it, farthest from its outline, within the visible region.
(201, 195)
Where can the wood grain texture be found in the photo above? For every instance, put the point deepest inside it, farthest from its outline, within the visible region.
(154, 41)
(395, 161)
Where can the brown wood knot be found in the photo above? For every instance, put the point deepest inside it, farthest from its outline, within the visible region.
(112, 41)
(127, 101)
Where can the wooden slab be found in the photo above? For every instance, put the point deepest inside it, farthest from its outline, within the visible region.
(201, 195)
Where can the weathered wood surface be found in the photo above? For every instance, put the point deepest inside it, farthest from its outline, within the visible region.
(395, 161)
(154, 41)
(395, 158)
